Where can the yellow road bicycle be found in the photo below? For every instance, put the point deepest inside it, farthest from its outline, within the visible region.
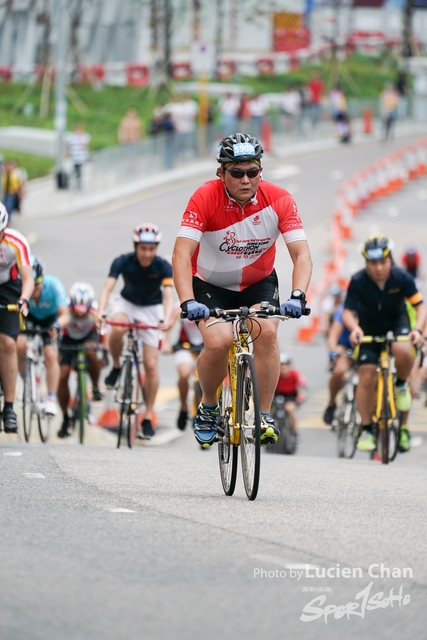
(239, 422)
(387, 418)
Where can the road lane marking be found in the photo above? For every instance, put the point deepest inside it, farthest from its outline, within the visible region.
(32, 237)
(292, 188)
(284, 171)
(118, 510)
(422, 194)
(393, 211)
(416, 441)
(337, 174)
(282, 562)
(13, 453)
(34, 475)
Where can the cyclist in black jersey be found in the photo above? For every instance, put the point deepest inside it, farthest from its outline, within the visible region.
(147, 297)
(377, 294)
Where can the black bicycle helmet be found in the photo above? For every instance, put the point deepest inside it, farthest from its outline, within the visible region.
(239, 147)
(377, 247)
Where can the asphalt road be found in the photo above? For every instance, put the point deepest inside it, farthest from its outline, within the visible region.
(100, 543)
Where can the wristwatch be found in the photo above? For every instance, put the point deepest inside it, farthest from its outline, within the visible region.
(297, 294)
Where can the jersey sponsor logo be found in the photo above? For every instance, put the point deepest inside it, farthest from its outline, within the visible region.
(243, 149)
(256, 220)
(243, 248)
(192, 215)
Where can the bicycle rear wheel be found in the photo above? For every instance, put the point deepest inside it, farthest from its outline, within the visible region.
(27, 401)
(249, 418)
(348, 431)
(124, 395)
(289, 442)
(227, 452)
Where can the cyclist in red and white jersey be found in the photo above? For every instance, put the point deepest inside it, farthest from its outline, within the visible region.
(80, 329)
(16, 287)
(224, 257)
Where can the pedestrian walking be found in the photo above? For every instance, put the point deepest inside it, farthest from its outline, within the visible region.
(229, 108)
(316, 89)
(258, 108)
(131, 128)
(12, 187)
(78, 150)
(389, 104)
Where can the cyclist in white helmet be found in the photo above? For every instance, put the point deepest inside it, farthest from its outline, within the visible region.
(147, 297)
(80, 329)
(16, 287)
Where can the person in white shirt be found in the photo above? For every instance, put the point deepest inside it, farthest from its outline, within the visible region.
(291, 109)
(78, 150)
(258, 108)
(229, 107)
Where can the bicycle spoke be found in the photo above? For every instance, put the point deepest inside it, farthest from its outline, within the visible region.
(124, 397)
(250, 421)
(27, 402)
(227, 453)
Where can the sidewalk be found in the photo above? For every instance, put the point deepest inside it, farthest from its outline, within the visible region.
(43, 200)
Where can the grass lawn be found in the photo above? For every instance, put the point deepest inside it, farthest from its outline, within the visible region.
(101, 110)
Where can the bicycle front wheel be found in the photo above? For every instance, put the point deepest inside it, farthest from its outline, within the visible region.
(227, 452)
(383, 424)
(83, 408)
(27, 400)
(124, 395)
(44, 422)
(249, 419)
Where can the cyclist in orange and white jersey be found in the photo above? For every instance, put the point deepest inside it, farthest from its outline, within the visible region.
(16, 287)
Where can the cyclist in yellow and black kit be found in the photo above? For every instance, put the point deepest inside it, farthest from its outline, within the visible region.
(378, 295)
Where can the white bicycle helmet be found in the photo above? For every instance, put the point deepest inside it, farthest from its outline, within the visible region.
(147, 232)
(81, 297)
(284, 358)
(4, 217)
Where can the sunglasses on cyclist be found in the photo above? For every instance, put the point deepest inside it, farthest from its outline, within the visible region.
(239, 173)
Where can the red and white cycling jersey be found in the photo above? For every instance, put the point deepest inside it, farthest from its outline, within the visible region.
(237, 245)
(80, 327)
(14, 253)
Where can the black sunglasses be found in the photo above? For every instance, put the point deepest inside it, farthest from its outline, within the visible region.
(239, 173)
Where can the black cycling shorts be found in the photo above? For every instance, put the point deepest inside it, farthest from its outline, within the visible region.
(370, 353)
(44, 323)
(267, 290)
(67, 356)
(9, 320)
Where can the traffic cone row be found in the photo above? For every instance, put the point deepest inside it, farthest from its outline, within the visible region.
(385, 176)
(379, 180)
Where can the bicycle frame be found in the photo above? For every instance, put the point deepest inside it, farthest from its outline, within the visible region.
(129, 401)
(385, 410)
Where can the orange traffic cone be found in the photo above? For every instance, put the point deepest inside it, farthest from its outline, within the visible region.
(110, 418)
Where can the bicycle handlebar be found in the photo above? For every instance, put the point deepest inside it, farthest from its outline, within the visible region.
(266, 310)
(131, 325)
(390, 337)
(10, 307)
